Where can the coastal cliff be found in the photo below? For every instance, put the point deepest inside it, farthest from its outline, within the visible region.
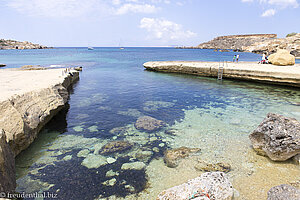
(290, 43)
(236, 42)
(13, 44)
(26, 106)
(255, 43)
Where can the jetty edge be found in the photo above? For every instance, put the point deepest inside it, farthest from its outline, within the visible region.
(29, 99)
(250, 71)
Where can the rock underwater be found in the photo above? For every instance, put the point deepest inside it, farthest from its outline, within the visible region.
(173, 156)
(277, 136)
(149, 124)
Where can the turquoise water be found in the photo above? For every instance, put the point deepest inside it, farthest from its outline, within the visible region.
(113, 91)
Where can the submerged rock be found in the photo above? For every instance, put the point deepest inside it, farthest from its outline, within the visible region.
(209, 167)
(7, 166)
(284, 192)
(147, 123)
(210, 185)
(115, 146)
(133, 166)
(94, 161)
(173, 156)
(277, 136)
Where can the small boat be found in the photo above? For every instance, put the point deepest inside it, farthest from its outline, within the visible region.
(121, 47)
(90, 48)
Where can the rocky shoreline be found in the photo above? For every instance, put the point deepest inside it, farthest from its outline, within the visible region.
(13, 44)
(25, 109)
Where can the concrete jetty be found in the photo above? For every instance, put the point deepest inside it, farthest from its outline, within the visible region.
(251, 71)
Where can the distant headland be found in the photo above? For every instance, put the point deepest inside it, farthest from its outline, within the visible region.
(13, 44)
(255, 43)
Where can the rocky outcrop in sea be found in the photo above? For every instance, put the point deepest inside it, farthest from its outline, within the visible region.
(13, 44)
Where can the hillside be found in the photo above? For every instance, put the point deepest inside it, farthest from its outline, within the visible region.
(13, 44)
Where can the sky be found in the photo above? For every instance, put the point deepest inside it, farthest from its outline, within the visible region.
(74, 23)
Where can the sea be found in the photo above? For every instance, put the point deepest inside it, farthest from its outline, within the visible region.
(114, 90)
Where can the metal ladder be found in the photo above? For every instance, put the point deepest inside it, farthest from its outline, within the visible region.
(221, 70)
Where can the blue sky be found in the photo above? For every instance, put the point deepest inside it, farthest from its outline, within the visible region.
(143, 22)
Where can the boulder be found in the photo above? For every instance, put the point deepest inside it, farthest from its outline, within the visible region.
(210, 185)
(282, 57)
(277, 137)
(2, 65)
(149, 124)
(7, 166)
(173, 156)
(284, 192)
(211, 167)
(115, 146)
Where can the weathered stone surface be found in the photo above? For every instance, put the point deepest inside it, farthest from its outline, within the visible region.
(23, 116)
(147, 123)
(210, 167)
(284, 192)
(210, 185)
(115, 146)
(7, 166)
(282, 57)
(173, 156)
(296, 159)
(277, 136)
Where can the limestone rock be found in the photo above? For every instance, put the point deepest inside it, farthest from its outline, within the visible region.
(173, 156)
(32, 67)
(282, 57)
(277, 136)
(296, 159)
(133, 166)
(210, 185)
(23, 116)
(210, 167)
(284, 192)
(13, 44)
(7, 166)
(147, 123)
(115, 146)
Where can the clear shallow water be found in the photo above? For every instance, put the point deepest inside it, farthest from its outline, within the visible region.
(114, 90)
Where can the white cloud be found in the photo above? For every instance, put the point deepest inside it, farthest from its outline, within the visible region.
(284, 3)
(136, 8)
(269, 13)
(165, 30)
(76, 8)
(274, 5)
(54, 8)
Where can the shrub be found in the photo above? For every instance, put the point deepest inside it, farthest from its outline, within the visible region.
(291, 34)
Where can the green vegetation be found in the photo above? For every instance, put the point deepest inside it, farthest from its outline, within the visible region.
(291, 34)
